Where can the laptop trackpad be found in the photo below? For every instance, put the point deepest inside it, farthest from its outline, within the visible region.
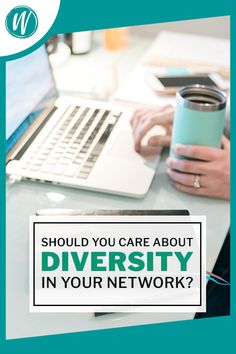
(123, 147)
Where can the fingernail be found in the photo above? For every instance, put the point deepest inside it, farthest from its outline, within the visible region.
(176, 148)
(170, 160)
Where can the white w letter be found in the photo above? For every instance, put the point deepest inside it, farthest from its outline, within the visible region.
(21, 19)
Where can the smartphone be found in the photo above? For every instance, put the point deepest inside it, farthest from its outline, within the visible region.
(168, 85)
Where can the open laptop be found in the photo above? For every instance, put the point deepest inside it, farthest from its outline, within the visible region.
(66, 140)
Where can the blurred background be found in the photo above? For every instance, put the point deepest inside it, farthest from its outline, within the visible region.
(214, 27)
(93, 64)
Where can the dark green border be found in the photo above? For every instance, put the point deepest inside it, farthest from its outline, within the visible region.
(214, 335)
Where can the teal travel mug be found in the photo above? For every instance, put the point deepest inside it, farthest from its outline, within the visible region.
(199, 117)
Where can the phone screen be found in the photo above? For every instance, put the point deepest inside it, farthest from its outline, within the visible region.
(179, 81)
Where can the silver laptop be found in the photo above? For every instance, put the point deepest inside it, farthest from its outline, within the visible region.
(66, 140)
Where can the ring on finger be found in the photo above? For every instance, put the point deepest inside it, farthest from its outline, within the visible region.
(196, 183)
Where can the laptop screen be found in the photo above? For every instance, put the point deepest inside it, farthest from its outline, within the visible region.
(29, 86)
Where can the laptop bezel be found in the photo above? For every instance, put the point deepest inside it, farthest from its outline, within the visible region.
(35, 127)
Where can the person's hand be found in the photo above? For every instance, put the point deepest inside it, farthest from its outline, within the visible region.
(212, 172)
(145, 119)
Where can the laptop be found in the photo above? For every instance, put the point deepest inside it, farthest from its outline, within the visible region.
(66, 140)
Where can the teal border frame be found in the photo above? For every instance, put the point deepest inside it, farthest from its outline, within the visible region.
(212, 334)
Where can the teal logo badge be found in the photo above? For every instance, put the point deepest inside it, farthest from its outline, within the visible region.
(21, 22)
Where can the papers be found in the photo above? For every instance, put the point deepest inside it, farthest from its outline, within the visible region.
(188, 49)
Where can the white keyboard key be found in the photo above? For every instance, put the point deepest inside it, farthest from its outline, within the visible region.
(37, 162)
(63, 145)
(59, 169)
(85, 169)
(65, 161)
(59, 150)
(68, 156)
(46, 168)
(83, 175)
(78, 161)
(51, 161)
(55, 155)
(71, 170)
(25, 164)
(34, 168)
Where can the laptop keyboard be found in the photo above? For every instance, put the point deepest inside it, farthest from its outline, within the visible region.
(75, 144)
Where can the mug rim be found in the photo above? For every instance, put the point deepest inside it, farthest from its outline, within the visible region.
(207, 91)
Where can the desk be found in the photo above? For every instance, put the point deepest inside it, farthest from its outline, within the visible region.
(24, 198)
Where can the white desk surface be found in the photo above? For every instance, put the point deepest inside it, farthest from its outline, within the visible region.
(25, 198)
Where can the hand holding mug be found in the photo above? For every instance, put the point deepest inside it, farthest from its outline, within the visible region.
(208, 176)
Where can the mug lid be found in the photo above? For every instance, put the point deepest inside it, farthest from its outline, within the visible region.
(202, 98)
